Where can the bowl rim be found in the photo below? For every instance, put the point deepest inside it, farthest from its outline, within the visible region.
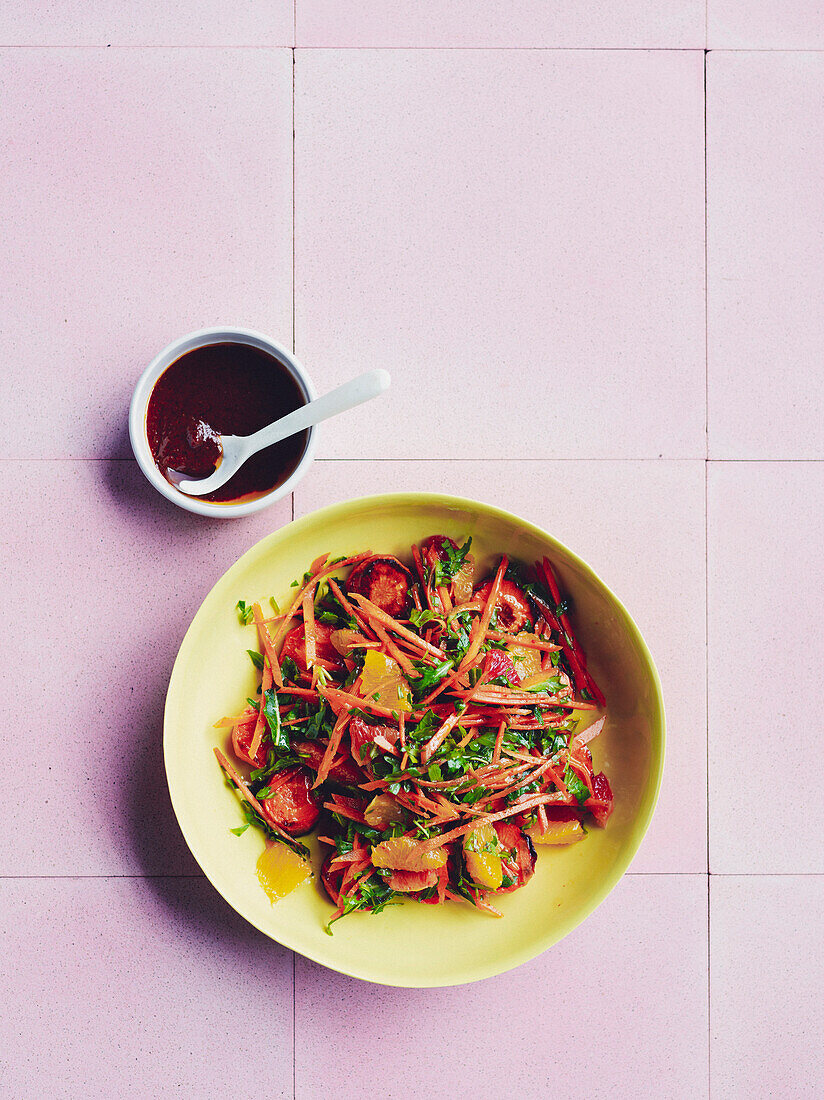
(138, 407)
(618, 869)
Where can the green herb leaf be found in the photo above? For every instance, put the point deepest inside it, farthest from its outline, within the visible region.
(244, 612)
(453, 562)
(576, 785)
(290, 670)
(240, 830)
(275, 605)
(271, 712)
(255, 657)
(421, 618)
(425, 728)
(429, 676)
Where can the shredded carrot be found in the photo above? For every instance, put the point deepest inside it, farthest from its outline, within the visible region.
(309, 633)
(393, 650)
(499, 740)
(526, 641)
(339, 699)
(587, 735)
(310, 585)
(375, 613)
(266, 643)
(248, 796)
(486, 615)
(331, 749)
(260, 728)
(438, 738)
(482, 904)
(241, 719)
(443, 596)
(416, 557)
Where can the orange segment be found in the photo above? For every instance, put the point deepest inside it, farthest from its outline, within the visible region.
(557, 832)
(402, 853)
(383, 811)
(280, 871)
(383, 681)
(527, 659)
(481, 852)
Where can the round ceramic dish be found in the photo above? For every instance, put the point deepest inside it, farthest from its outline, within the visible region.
(410, 944)
(140, 403)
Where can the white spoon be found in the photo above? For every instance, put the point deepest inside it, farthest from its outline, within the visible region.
(236, 449)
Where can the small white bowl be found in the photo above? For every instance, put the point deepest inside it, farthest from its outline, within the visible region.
(140, 403)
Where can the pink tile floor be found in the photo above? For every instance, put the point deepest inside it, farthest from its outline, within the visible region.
(595, 247)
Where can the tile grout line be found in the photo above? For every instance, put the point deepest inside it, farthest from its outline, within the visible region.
(707, 563)
(294, 352)
(440, 461)
(627, 874)
(424, 49)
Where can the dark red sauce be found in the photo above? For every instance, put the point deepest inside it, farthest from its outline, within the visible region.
(224, 389)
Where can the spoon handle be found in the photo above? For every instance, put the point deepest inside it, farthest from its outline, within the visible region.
(360, 389)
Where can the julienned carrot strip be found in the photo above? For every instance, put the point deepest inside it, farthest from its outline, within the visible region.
(438, 738)
(266, 642)
(587, 735)
(486, 615)
(393, 650)
(402, 731)
(338, 807)
(499, 740)
(350, 857)
(248, 796)
(339, 699)
(444, 838)
(566, 629)
(524, 780)
(343, 600)
(373, 612)
(260, 729)
(443, 596)
(540, 699)
(482, 904)
(416, 558)
(467, 737)
(318, 564)
(241, 719)
(331, 748)
(312, 583)
(443, 880)
(308, 606)
(527, 641)
(303, 693)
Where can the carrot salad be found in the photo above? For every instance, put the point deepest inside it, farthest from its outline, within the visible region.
(435, 725)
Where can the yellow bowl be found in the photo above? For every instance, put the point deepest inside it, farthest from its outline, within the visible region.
(410, 944)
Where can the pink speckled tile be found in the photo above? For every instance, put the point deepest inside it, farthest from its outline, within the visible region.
(618, 1008)
(765, 653)
(767, 972)
(765, 130)
(521, 244)
(147, 23)
(640, 525)
(137, 988)
(145, 193)
(765, 25)
(676, 24)
(100, 577)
